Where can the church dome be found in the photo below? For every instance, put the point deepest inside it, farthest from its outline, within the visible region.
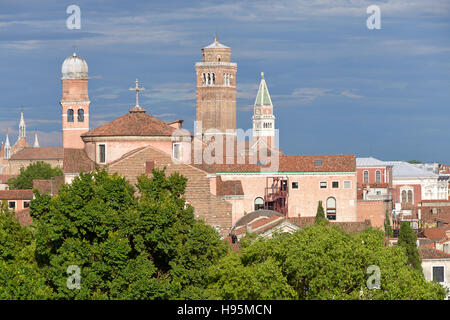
(74, 67)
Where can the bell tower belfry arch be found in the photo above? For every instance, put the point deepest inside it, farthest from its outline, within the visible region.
(216, 90)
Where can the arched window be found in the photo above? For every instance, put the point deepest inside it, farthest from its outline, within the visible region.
(366, 177)
(213, 78)
(403, 196)
(218, 58)
(377, 176)
(331, 208)
(70, 115)
(80, 115)
(259, 203)
(410, 196)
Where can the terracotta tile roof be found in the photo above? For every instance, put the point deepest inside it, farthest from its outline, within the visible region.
(134, 123)
(25, 194)
(430, 253)
(435, 234)
(251, 216)
(76, 161)
(44, 153)
(229, 188)
(24, 217)
(329, 163)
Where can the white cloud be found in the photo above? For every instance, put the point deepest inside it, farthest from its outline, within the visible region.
(351, 95)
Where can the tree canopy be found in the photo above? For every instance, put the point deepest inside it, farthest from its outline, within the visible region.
(36, 170)
(100, 238)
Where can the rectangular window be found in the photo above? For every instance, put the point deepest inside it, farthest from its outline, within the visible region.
(102, 153)
(347, 184)
(438, 274)
(323, 184)
(294, 185)
(176, 151)
(335, 184)
(26, 204)
(317, 162)
(12, 204)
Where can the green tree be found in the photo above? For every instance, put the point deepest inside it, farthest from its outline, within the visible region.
(415, 161)
(20, 277)
(36, 170)
(387, 225)
(325, 262)
(127, 247)
(320, 215)
(408, 240)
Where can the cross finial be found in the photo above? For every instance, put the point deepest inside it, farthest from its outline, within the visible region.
(262, 75)
(137, 89)
(215, 38)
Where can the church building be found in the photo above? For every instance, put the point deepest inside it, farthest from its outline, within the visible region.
(221, 192)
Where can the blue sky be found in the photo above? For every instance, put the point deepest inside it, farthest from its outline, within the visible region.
(337, 87)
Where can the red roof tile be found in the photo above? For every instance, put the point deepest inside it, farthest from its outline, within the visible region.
(430, 253)
(25, 194)
(134, 123)
(45, 153)
(434, 233)
(329, 163)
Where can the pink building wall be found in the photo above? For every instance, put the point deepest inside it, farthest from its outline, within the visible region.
(116, 149)
(302, 201)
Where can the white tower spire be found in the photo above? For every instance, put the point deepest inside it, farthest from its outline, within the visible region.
(36, 141)
(7, 147)
(263, 118)
(22, 127)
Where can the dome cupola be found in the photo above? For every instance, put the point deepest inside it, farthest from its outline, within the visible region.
(74, 67)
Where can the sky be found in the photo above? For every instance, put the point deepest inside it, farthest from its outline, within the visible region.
(337, 86)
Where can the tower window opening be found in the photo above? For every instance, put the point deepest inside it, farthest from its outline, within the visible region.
(80, 115)
(70, 115)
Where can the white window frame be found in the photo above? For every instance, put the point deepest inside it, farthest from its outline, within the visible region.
(334, 182)
(23, 203)
(179, 151)
(349, 182)
(377, 172)
(368, 176)
(15, 204)
(432, 273)
(326, 185)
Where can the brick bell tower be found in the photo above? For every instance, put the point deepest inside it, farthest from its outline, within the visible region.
(75, 101)
(216, 89)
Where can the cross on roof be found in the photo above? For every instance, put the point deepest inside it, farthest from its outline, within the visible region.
(137, 89)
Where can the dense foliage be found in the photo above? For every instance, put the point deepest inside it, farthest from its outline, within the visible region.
(36, 170)
(387, 225)
(151, 247)
(408, 240)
